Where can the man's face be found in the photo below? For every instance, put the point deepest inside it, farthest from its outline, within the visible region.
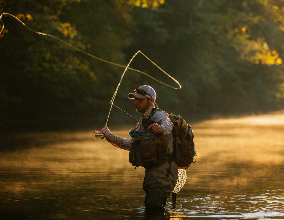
(142, 105)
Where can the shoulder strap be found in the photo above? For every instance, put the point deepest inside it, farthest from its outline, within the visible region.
(146, 122)
(154, 110)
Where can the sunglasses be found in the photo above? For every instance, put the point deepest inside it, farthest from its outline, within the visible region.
(141, 92)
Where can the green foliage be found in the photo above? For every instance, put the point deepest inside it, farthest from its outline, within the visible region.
(219, 50)
(42, 79)
(226, 54)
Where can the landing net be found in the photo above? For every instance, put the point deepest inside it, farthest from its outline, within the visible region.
(181, 180)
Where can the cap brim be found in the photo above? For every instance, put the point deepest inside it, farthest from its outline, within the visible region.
(133, 95)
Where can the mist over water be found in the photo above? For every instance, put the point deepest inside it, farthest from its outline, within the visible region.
(53, 175)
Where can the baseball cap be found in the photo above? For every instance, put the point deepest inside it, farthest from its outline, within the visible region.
(143, 92)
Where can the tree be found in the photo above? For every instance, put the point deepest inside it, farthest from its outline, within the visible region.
(219, 50)
(42, 78)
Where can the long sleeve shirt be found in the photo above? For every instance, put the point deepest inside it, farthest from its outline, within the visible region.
(160, 117)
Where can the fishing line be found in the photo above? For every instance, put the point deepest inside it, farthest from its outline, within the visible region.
(118, 85)
(125, 112)
(98, 58)
(103, 60)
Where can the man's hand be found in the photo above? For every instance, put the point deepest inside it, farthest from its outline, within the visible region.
(104, 130)
(156, 128)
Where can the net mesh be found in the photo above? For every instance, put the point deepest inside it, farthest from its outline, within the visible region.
(181, 180)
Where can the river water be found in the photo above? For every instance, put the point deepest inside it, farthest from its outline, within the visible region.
(238, 174)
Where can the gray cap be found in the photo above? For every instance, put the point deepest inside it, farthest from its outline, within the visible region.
(143, 92)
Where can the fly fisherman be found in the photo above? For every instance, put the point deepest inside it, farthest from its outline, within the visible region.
(150, 146)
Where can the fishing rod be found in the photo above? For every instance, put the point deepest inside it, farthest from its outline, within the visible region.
(98, 133)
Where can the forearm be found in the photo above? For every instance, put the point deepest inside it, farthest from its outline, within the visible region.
(117, 141)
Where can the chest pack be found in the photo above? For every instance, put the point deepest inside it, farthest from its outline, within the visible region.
(147, 151)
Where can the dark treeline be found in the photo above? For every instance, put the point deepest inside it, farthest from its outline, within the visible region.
(226, 54)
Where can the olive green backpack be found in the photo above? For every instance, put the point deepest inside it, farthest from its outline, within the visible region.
(184, 149)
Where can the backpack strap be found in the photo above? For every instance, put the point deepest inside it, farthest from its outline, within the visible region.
(146, 122)
(154, 110)
(170, 166)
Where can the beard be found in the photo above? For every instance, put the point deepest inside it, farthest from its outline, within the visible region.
(142, 109)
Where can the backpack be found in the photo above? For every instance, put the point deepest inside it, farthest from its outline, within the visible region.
(184, 150)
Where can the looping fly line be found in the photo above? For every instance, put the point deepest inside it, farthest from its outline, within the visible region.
(102, 60)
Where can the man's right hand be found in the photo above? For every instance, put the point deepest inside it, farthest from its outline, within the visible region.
(104, 130)
(156, 128)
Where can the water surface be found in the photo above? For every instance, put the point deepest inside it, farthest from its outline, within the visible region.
(71, 175)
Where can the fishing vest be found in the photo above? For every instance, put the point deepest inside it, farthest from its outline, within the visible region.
(149, 149)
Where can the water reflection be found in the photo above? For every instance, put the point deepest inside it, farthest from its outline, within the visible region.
(238, 175)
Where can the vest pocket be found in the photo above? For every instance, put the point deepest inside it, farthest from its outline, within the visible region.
(162, 152)
(135, 157)
(148, 151)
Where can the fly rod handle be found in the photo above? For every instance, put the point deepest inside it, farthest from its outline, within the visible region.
(98, 134)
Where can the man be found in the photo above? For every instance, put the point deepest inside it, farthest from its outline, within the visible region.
(160, 174)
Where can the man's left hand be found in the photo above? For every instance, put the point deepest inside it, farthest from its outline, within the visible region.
(156, 128)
